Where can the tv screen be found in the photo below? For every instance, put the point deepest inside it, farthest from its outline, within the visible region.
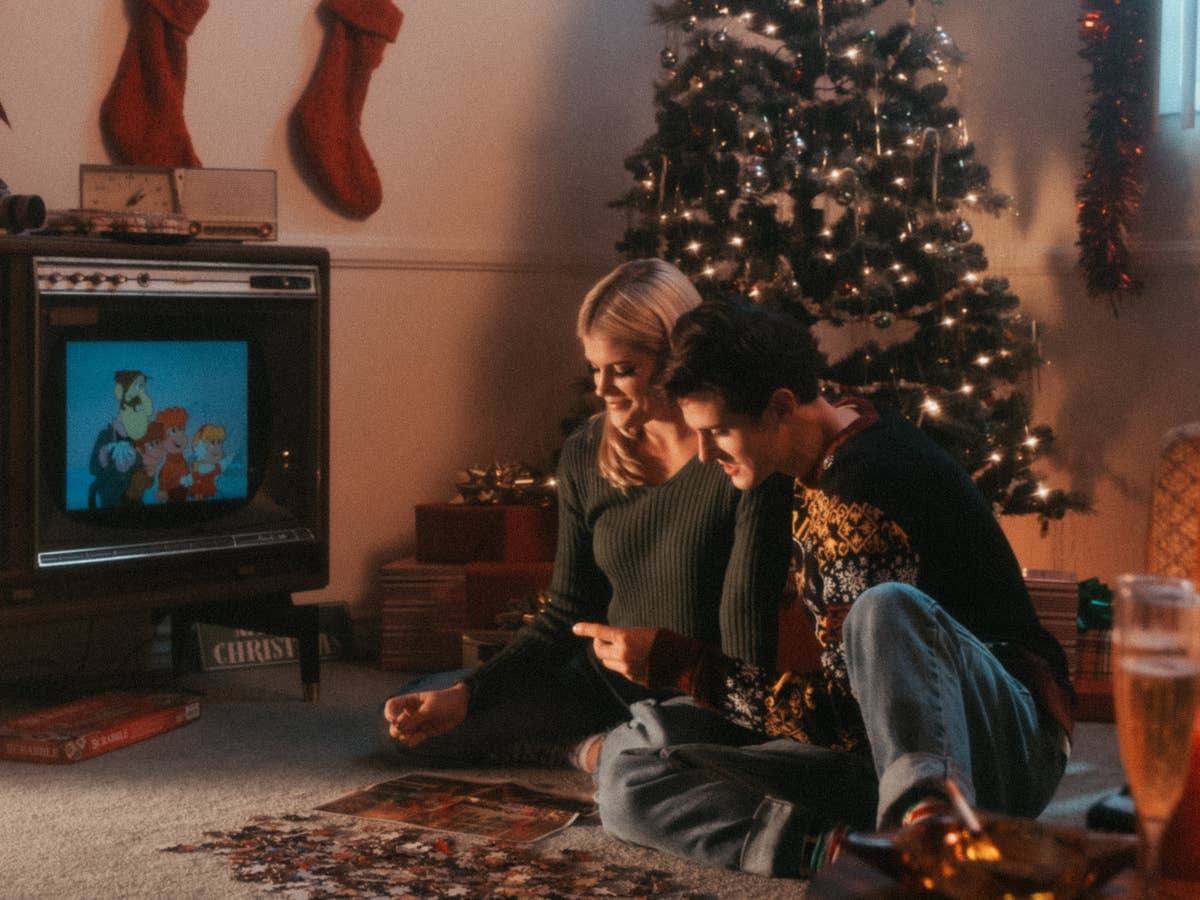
(155, 422)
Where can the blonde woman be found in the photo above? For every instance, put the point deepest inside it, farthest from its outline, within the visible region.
(649, 538)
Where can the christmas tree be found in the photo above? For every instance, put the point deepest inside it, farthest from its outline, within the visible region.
(809, 161)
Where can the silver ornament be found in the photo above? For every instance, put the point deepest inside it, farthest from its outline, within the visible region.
(755, 176)
(754, 127)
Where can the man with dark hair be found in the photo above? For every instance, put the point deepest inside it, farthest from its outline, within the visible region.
(933, 668)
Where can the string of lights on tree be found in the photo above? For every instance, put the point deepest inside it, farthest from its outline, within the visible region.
(1113, 33)
(811, 162)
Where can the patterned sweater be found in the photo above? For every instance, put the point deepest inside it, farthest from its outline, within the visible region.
(693, 555)
(887, 504)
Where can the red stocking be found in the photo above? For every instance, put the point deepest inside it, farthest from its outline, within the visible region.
(142, 115)
(327, 118)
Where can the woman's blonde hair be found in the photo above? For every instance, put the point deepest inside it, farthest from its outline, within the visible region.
(637, 304)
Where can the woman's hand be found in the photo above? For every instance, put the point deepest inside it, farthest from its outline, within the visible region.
(625, 651)
(413, 718)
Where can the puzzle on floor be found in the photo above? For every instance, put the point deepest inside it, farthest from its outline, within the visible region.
(502, 810)
(311, 857)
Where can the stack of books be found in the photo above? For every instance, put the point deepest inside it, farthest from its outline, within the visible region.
(423, 611)
(1055, 597)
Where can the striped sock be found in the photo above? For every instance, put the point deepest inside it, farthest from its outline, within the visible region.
(586, 754)
(821, 848)
(924, 808)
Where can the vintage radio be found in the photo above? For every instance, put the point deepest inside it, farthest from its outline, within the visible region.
(206, 204)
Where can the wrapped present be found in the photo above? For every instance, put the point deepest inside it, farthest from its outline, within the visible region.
(1095, 606)
(501, 532)
(1093, 676)
(509, 483)
(1093, 656)
(522, 610)
(426, 608)
(492, 587)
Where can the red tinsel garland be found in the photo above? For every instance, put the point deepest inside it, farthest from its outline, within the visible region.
(1114, 42)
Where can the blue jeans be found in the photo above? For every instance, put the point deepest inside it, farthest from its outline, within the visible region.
(936, 704)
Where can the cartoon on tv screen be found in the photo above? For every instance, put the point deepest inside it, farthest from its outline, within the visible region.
(155, 422)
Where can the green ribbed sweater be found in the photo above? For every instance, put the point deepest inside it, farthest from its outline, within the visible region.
(693, 555)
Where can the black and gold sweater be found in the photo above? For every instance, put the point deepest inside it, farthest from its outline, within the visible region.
(886, 504)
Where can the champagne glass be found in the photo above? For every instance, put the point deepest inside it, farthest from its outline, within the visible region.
(1156, 691)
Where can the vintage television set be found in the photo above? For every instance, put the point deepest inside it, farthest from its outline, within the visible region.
(165, 442)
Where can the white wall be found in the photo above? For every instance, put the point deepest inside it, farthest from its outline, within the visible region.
(499, 129)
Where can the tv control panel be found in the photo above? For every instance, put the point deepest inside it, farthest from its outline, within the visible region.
(81, 276)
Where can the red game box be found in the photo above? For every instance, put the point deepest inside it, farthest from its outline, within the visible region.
(94, 725)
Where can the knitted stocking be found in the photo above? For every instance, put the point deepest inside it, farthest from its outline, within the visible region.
(142, 114)
(327, 118)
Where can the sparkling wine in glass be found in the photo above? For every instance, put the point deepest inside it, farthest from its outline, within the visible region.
(1156, 692)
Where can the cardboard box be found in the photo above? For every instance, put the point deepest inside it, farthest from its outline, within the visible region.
(464, 532)
(85, 728)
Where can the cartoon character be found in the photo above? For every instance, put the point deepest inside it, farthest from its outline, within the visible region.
(113, 455)
(173, 476)
(135, 409)
(152, 451)
(208, 449)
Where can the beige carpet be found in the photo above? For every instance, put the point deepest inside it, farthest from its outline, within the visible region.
(98, 828)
